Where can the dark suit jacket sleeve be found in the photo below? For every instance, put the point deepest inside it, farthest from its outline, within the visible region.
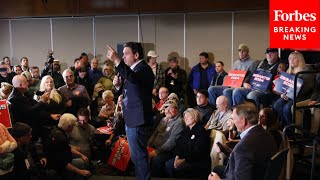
(136, 77)
(243, 163)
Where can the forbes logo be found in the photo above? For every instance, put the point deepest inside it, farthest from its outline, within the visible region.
(279, 15)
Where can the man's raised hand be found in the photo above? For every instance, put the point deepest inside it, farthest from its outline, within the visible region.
(113, 55)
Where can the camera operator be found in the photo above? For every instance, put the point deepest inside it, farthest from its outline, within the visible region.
(176, 78)
(52, 68)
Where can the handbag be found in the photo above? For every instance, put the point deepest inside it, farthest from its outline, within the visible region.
(6, 160)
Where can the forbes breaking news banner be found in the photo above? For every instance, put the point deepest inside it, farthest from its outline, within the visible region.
(260, 80)
(285, 84)
(234, 78)
(294, 24)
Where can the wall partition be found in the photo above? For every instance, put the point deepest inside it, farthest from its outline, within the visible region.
(30, 38)
(71, 37)
(5, 49)
(182, 34)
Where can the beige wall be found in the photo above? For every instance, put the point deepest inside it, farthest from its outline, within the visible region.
(4, 39)
(186, 35)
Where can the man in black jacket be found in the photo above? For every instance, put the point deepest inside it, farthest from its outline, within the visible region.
(176, 78)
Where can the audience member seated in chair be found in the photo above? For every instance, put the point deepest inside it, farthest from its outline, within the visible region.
(269, 98)
(243, 63)
(164, 138)
(268, 121)
(219, 117)
(218, 78)
(96, 104)
(270, 64)
(108, 75)
(248, 157)
(75, 95)
(192, 159)
(60, 152)
(163, 97)
(283, 105)
(107, 111)
(55, 105)
(227, 138)
(174, 96)
(203, 106)
(27, 110)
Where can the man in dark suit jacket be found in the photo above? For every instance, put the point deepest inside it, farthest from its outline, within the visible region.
(137, 80)
(248, 158)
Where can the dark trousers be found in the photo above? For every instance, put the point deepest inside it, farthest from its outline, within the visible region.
(158, 164)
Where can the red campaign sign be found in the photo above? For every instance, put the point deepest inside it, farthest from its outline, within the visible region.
(4, 114)
(105, 130)
(294, 24)
(120, 155)
(235, 78)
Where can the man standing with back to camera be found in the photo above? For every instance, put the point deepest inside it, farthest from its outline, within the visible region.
(136, 77)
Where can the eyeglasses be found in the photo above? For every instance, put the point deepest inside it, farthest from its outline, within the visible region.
(69, 76)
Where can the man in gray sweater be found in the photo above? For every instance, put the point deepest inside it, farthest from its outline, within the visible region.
(163, 140)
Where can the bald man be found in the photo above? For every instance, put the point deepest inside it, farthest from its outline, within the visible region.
(24, 109)
(219, 117)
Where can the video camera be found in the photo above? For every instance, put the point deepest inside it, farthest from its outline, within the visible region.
(49, 62)
(50, 58)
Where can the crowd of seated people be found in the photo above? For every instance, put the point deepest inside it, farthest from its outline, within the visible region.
(62, 111)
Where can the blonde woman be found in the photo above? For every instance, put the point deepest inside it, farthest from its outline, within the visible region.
(283, 105)
(192, 159)
(47, 88)
(107, 79)
(55, 104)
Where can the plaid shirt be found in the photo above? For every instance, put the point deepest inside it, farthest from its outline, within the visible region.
(77, 90)
(159, 77)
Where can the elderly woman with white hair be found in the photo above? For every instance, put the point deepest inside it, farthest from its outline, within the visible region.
(192, 158)
(60, 153)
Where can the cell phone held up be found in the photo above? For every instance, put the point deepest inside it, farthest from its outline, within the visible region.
(39, 93)
(3, 69)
